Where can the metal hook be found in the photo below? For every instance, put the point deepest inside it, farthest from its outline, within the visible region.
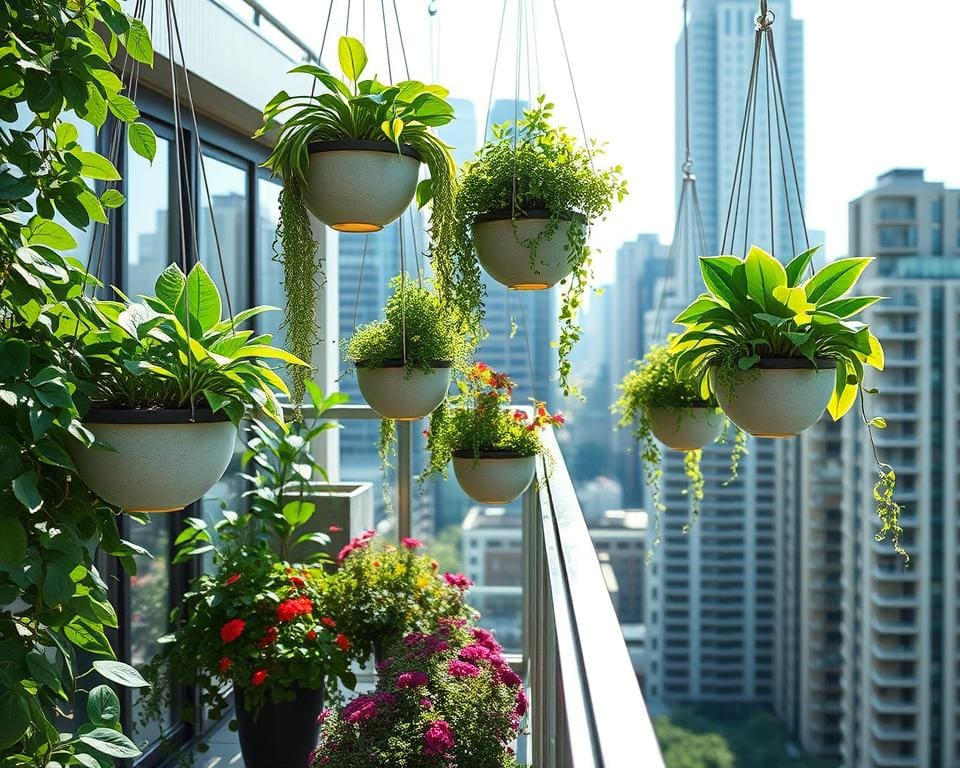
(766, 18)
(432, 8)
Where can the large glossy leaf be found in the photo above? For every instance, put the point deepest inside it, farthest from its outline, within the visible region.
(14, 714)
(169, 286)
(835, 279)
(717, 274)
(764, 275)
(200, 299)
(138, 44)
(120, 673)
(844, 393)
(142, 140)
(42, 232)
(274, 353)
(353, 58)
(13, 541)
(692, 313)
(875, 358)
(849, 307)
(110, 743)
(103, 708)
(798, 265)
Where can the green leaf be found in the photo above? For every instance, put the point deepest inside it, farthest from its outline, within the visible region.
(25, 489)
(798, 265)
(835, 279)
(95, 166)
(169, 286)
(58, 587)
(95, 110)
(717, 274)
(202, 299)
(112, 198)
(103, 708)
(879, 422)
(14, 715)
(122, 108)
(13, 542)
(844, 308)
(120, 673)
(353, 58)
(87, 761)
(298, 512)
(110, 743)
(44, 232)
(43, 671)
(142, 140)
(88, 636)
(764, 275)
(265, 351)
(137, 41)
(14, 358)
(424, 192)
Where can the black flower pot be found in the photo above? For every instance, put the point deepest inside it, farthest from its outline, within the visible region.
(282, 734)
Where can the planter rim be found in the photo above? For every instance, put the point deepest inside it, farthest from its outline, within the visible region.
(506, 214)
(491, 455)
(203, 415)
(362, 145)
(774, 363)
(397, 363)
(703, 407)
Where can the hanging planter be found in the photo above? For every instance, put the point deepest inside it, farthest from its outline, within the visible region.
(158, 454)
(493, 447)
(157, 460)
(685, 429)
(397, 393)
(525, 206)
(779, 397)
(523, 253)
(494, 477)
(360, 186)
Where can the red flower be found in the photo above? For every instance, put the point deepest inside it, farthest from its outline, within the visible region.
(258, 677)
(288, 610)
(335, 529)
(298, 581)
(519, 415)
(232, 630)
(328, 622)
(232, 579)
(269, 637)
(343, 643)
(410, 543)
(558, 418)
(225, 665)
(311, 635)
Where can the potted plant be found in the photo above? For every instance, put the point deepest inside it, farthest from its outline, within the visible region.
(777, 350)
(493, 447)
(656, 404)
(262, 622)
(403, 361)
(350, 151)
(166, 401)
(446, 698)
(526, 204)
(381, 592)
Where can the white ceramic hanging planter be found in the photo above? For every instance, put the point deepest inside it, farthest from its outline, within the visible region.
(160, 461)
(360, 186)
(685, 429)
(504, 253)
(780, 397)
(396, 393)
(494, 478)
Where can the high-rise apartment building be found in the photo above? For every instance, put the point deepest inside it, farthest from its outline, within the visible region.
(711, 622)
(901, 680)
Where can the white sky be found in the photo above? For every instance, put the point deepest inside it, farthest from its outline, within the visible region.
(881, 87)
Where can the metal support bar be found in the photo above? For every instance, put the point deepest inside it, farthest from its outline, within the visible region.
(404, 477)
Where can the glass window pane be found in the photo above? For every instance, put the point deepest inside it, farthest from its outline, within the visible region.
(269, 287)
(231, 207)
(148, 250)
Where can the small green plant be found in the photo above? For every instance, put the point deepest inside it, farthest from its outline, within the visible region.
(357, 109)
(653, 384)
(142, 355)
(479, 420)
(755, 308)
(382, 592)
(534, 165)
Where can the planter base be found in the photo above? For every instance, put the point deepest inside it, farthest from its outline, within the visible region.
(685, 429)
(494, 479)
(505, 256)
(283, 734)
(396, 394)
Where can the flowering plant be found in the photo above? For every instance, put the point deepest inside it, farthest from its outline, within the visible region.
(382, 592)
(479, 420)
(445, 699)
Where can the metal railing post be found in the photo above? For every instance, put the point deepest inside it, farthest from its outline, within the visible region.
(404, 477)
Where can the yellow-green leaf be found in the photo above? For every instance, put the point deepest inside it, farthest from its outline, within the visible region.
(764, 275)
(353, 57)
(875, 358)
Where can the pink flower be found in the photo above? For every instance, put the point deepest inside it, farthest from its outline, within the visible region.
(410, 543)
(412, 680)
(335, 529)
(360, 710)
(521, 707)
(324, 714)
(384, 665)
(360, 542)
(459, 668)
(438, 740)
(475, 653)
(458, 580)
(426, 703)
(487, 640)
(508, 677)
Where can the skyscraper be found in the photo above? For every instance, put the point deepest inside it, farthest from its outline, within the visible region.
(711, 593)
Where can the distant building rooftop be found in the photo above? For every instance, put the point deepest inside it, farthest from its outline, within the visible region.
(901, 176)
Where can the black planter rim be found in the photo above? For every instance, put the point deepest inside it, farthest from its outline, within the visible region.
(203, 415)
(363, 145)
(794, 363)
(494, 455)
(506, 214)
(398, 363)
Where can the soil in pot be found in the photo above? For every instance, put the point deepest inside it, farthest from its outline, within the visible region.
(282, 734)
(360, 186)
(161, 460)
(493, 478)
(685, 429)
(504, 253)
(781, 397)
(396, 393)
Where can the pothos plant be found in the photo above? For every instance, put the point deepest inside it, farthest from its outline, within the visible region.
(56, 58)
(536, 165)
(350, 107)
(756, 307)
(653, 384)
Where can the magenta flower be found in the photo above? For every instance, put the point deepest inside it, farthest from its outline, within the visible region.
(412, 680)
(410, 543)
(521, 708)
(426, 703)
(324, 714)
(360, 710)
(459, 668)
(458, 580)
(438, 740)
(384, 665)
(508, 677)
(487, 640)
(475, 653)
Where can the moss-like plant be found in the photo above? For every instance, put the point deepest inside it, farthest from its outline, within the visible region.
(351, 108)
(653, 384)
(534, 165)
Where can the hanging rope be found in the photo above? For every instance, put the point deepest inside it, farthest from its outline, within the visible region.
(493, 75)
(573, 82)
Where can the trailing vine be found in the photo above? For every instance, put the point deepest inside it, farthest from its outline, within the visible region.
(691, 468)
